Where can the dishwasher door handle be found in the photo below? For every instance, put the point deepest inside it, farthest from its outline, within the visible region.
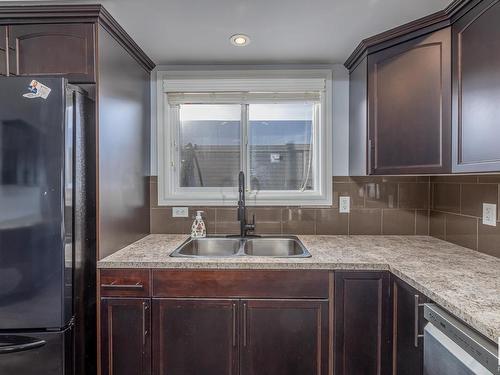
(417, 335)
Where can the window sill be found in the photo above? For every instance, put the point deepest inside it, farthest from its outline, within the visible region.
(319, 201)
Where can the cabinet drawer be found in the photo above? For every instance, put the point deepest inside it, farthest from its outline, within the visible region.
(241, 283)
(125, 283)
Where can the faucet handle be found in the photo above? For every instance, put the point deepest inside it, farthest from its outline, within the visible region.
(252, 225)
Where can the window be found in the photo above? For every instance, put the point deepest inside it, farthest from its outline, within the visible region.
(280, 139)
(280, 146)
(209, 145)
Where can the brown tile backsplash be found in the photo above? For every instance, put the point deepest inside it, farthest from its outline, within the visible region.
(365, 221)
(437, 224)
(474, 195)
(461, 230)
(457, 209)
(400, 222)
(298, 220)
(414, 196)
(381, 195)
(422, 222)
(330, 221)
(447, 207)
(446, 197)
(489, 239)
(163, 222)
(354, 190)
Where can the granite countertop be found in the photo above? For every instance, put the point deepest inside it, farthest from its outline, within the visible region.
(463, 281)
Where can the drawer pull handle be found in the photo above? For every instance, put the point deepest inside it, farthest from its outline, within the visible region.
(245, 324)
(234, 322)
(145, 330)
(113, 285)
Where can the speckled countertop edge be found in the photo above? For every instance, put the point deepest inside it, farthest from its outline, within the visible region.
(462, 281)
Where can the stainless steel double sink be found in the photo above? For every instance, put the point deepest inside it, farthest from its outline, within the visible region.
(213, 247)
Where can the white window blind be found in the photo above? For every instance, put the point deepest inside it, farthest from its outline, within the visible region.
(175, 98)
(245, 85)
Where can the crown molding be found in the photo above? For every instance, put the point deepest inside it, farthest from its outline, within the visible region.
(91, 13)
(410, 30)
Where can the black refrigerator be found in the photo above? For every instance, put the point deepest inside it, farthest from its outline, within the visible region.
(45, 240)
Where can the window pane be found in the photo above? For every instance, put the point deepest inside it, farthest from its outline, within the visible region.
(209, 145)
(280, 148)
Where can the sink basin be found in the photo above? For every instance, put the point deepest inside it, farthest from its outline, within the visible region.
(209, 247)
(275, 247)
(213, 247)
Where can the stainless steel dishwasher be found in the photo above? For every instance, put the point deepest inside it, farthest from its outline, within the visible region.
(453, 348)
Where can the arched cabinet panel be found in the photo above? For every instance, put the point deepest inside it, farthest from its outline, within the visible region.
(53, 49)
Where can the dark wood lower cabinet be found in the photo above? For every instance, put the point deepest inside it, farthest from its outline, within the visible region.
(195, 337)
(408, 322)
(284, 337)
(249, 335)
(125, 336)
(362, 344)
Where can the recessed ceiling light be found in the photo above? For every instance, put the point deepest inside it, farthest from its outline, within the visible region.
(240, 40)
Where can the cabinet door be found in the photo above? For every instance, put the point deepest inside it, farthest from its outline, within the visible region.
(284, 337)
(53, 49)
(409, 106)
(362, 323)
(408, 322)
(193, 337)
(476, 89)
(3, 50)
(125, 336)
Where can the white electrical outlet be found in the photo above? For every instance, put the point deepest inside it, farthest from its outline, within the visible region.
(490, 214)
(180, 212)
(344, 205)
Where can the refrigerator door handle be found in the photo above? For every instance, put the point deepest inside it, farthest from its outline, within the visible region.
(14, 344)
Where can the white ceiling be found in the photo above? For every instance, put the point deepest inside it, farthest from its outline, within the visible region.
(281, 31)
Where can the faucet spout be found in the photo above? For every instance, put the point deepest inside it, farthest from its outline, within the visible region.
(242, 212)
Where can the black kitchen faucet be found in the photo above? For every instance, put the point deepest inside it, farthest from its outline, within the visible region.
(242, 211)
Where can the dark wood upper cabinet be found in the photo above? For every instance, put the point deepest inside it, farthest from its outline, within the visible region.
(409, 106)
(284, 337)
(193, 337)
(476, 89)
(53, 49)
(408, 325)
(125, 336)
(362, 344)
(3, 50)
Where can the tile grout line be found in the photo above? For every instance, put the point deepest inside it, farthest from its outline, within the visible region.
(477, 235)
(381, 221)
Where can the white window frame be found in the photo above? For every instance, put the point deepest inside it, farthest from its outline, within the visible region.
(242, 81)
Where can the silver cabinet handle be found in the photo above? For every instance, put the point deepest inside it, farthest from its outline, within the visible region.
(234, 322)
(416, 320)
(145, 330)
(244, 324)
(113, 285)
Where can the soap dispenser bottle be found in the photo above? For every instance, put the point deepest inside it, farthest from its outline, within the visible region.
(198, 229)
